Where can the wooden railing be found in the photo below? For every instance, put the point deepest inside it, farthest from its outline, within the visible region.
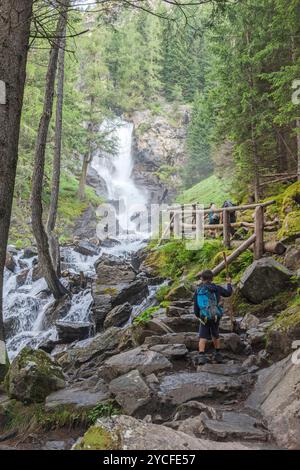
(184, 217)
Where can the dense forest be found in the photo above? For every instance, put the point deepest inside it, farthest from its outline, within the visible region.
(150, 102)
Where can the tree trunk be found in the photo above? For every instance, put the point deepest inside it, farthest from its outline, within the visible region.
(53, 240)
(87, 156)
(45, 261)
(14, 39)
(298, 148)
(83, 176)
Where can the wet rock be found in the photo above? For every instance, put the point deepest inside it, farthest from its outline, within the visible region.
(110, 243)
(127, 433)
(22, 277)
(33, 375)
(118, 316)
(49, 345)
(37, 272)
(102, 306)
(138, 257)
(145, 361)
(276, 396)
(235, 426)
(249, 321)
(73, 331)
(264, 279)
(10, 262)
(29, 252)
(183, 291)
(56, 311)
(12, 250)
(134, 292)
(77, 397)
(182, 387)
(86, 248)
(131, 392)
(171, 351)
(112, 270)
(85, 226)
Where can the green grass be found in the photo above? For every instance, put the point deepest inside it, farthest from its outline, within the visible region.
(211, 189)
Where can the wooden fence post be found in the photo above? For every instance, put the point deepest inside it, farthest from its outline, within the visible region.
(226, 228)
(171, 223)
(259, 232)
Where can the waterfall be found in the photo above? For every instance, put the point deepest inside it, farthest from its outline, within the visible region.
(116, 171)
(25, 301)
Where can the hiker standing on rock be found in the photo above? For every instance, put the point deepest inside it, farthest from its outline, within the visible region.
(209, 311)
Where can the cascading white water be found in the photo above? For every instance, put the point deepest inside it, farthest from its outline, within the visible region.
(116, 171)
(25, 303)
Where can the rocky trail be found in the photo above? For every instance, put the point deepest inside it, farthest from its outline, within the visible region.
(148, 371)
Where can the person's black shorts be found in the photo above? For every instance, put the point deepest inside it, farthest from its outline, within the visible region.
(209, 330)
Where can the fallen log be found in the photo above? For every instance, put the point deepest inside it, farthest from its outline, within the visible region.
(235, 254)
(278, 248)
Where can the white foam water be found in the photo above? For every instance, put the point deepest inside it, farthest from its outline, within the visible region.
(25, 305)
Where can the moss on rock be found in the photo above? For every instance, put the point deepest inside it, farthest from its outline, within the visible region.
(97, 438)
(32, 376)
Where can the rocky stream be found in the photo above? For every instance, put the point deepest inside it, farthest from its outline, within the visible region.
(94, 354)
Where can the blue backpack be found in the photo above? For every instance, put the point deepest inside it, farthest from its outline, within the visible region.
(207, 301)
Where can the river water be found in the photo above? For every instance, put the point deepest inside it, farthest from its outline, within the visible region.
(25, 303)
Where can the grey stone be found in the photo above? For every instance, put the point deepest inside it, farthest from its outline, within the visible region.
(171, 351)
(232, 342)
(86, 248)
(144, 360)
(131, 391)
(264, 279)
(71, 331)
(292, 257)
(118, 316)
(249, 321)
(182, 387)
(276, 396)
(191, 340)
(223, 369)
(235, 426)
(77, 397)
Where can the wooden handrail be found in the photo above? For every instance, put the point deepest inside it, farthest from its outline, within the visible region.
(229, 209)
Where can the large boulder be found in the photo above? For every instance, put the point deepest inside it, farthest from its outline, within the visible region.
(292, 257)
(86, 248)
(96, 349)
(29, 252)
(191, 340)
(131, 392)
(73, 331)
(118, 316)
(264, 279)
(10, 262)
(127, 433)
(283, 332)
(276, 396)
(56, 311)
(181, 387)
(182, 292)
(141, 358)
(33, 375)
(113, 270)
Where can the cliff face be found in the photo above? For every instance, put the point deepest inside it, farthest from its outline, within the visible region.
(160, 149)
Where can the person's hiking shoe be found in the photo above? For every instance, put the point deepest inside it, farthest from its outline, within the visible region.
(202, 359)
(217, 357)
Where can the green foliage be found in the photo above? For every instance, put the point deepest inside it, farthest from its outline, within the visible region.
(145, 316)
(162, 293)
(103, 410)
(210, 190)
